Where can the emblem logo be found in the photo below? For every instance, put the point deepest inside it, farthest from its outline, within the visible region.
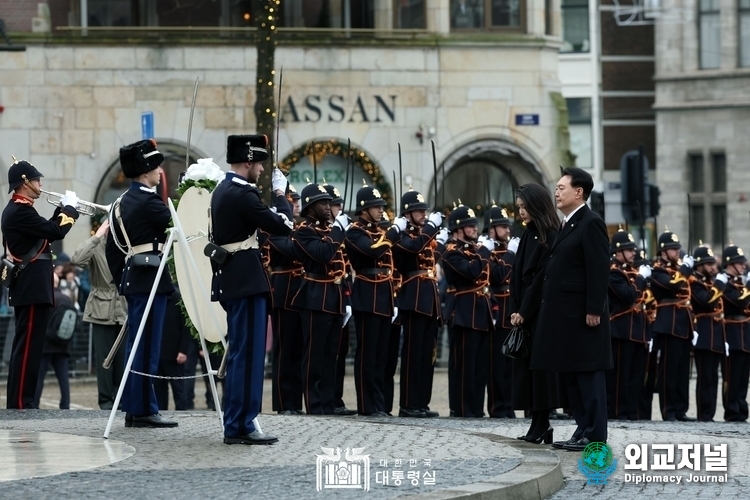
(739, 251)
(596, 463)
(675, 238)
(353, 472)
(630, 237)
(66, 220)
(322, 189)
(376, 193)
(336, 192)
(420, 198)
(710, 252)
(503, 213)
(471, 213)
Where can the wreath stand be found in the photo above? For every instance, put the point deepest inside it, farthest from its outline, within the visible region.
(195, 280)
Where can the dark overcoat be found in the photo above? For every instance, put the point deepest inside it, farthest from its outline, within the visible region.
(537, 389)
(575, 284)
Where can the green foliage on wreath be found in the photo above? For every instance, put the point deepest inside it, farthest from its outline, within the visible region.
(208, 185)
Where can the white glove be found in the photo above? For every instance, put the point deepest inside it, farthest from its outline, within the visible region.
(650, 345)
(347, 315)
(482, 238)
(69, 199)
(722, 277)
(688, 261)
(342, 221)
(743, 278)
(400, 223)
(435, 218)
(645, 271)
(395, 314)
(489, 244)
(726, 348)
(494, 322)
(513, 244)
(695, 338)
(278, 180)
(442, 236)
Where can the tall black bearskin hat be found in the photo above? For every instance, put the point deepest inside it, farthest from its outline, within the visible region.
(140, 158)
(247, 148)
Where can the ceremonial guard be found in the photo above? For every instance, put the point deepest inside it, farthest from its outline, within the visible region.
(285, 271)
(673, 328)
(469, 312)
(628, 287)
(339, 407)
(138, 223)
(369, 250)
(27, 272)
(736, 370)
(647, 390)
(319, 241)
(709, 348)
(499, 380)
(419, 307)
(240, 283)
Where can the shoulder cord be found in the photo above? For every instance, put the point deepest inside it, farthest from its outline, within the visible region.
(115, 214)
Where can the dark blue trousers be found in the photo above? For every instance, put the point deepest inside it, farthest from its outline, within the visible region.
(243, 385)
(139, 398)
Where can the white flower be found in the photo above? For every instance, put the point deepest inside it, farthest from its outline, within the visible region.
(205, 169)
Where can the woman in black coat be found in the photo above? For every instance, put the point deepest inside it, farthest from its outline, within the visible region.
(533, 390)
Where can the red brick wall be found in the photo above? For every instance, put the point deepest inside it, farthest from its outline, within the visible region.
(17, 14)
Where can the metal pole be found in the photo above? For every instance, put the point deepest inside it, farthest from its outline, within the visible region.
(84, 17)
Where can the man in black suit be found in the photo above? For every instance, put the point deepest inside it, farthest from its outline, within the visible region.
(573, 336)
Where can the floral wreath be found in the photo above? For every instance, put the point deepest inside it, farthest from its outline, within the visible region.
(207, 175)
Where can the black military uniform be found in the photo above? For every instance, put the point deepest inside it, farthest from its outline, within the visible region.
(673, 330)
(419, 309)
(369, 250)
(339, 407)
(133, 257)
(286, 278)
(708, 349)
(627, 294)
(241, 286)
(500, 377)
(646, 397)
(320, 300)
(469, 312)
(394, 340)
(26, 237)
(736, 367)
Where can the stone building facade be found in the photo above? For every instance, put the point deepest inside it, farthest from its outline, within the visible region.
(490, 100)
(703, 112)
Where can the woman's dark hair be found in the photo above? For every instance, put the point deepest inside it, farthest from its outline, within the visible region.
(538, 202)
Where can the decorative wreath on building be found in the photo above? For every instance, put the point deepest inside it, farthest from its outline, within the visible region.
(358, 156)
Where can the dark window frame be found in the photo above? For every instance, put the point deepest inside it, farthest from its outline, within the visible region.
(705, 198)
(487, 20)
(699, 20)
(563, 7)
(740, 11)
(395, 15)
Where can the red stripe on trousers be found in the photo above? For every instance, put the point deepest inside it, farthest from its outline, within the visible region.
(25, 359)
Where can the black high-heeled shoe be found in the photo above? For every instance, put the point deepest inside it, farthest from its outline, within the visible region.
(546, 437)
(523, 438)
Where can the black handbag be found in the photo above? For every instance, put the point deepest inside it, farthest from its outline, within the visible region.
(145, 260)
(518, 343)
(215, 253)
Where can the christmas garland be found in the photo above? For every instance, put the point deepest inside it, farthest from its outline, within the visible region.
(336, 148)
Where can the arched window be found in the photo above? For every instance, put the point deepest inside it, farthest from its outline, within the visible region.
(330, 157)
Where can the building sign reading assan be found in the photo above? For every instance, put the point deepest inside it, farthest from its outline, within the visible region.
(336, 109)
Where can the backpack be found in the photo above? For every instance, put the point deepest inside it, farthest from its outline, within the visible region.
(62, 324)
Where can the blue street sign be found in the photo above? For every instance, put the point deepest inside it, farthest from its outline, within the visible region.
(147, 125)
(527, 119)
